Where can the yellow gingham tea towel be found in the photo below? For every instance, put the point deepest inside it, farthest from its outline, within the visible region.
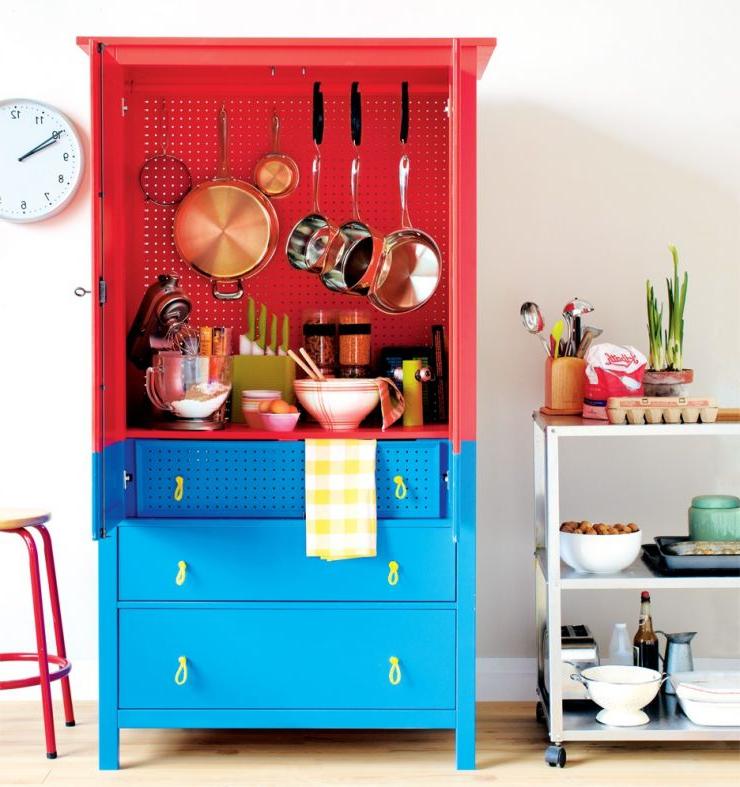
(341, 512)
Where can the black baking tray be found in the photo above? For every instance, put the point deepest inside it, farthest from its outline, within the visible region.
(654, 560)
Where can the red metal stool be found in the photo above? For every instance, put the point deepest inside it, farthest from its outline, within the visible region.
(18, 522)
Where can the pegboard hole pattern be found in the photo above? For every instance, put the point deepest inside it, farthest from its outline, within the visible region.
(267, 479)
(186, 126)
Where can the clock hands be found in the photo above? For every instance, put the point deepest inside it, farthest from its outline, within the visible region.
(42, 145)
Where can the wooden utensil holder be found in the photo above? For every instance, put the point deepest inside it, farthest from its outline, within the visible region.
(564, 380)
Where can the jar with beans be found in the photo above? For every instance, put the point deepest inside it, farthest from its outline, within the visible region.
(354, 343)
(320, 339)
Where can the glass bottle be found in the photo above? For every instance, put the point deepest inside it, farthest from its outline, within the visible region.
(645, 643)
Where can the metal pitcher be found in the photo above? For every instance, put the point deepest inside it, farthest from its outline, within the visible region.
(677, 656)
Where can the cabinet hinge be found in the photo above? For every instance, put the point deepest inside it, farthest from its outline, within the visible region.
(102, 291)
(127, 479)
(124, 107)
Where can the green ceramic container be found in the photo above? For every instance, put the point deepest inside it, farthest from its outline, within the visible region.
(714, 518)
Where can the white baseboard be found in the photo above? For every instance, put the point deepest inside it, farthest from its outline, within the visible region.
(498, 679)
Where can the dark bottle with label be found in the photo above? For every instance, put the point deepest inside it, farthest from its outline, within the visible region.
(645, 643)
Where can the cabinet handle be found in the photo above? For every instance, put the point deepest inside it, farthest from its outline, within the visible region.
(394, 674)
(181, 676)
(182, 570)
(179, 487)
(393, 573)
(401, 490)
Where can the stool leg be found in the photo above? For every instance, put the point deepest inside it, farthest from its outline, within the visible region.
(56, 613)
(38, 615)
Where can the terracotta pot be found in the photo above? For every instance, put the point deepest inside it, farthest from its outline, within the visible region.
(667, 383)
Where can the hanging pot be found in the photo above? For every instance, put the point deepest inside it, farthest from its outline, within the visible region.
(226, 228)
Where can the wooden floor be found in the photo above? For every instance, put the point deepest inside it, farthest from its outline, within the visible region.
(510, 752)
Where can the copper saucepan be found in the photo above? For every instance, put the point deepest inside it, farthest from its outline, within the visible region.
(276, 173)
(227, 229)
(354, 251)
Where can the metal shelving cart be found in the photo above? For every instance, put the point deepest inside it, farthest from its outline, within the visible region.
(551, 578)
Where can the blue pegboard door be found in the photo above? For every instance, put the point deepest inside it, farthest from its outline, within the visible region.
(206, 478)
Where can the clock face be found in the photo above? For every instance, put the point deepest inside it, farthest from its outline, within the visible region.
(41, 160)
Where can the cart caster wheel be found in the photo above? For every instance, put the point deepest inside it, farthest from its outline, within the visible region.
(539, 713)
(555, 756)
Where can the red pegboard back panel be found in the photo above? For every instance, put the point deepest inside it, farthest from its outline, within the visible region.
(188, 127)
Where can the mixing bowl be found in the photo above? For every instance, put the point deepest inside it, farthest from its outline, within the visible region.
(595, 554)
(621, 691)
(338, 404)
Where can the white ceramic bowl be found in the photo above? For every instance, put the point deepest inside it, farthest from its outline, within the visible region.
(622, 692)
(338, 404)
(600, 554)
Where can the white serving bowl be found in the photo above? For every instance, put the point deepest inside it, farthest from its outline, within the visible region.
(338, 404)
(594, 554)
(622, 692)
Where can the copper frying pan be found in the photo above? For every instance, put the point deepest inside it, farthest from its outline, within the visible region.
(227, 229)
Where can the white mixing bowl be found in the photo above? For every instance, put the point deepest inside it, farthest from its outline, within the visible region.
(600, 554)
(622, 692)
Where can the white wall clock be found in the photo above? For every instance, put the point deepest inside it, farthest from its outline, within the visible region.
(41, 160)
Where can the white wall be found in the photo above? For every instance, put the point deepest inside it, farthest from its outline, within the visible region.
(607, 131)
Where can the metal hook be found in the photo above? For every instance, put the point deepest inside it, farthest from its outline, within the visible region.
(81, 292)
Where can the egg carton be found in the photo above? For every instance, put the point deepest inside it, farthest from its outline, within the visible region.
(661, 409)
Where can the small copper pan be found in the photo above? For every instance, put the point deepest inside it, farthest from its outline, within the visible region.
(276, 173)
(227, 229)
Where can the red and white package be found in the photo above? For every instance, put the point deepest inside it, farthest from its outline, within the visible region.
(612, 370)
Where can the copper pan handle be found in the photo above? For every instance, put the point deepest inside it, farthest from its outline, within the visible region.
(354, 184)
(275, 132)
(223, 144)
(228, 295)
(403, 183)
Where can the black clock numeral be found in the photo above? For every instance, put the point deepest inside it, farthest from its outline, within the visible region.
(61, 178)
(39, 120)
(66, 156)
(46, 194)
(23, 204)
(15, 114)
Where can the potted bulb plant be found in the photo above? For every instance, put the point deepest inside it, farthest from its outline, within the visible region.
(665, 375)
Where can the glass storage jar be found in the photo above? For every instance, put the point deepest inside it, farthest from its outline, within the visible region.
(354, 343)
(320, 339)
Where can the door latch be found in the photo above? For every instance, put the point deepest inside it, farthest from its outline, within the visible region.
(127, 479)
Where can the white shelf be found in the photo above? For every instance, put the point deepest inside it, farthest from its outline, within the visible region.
(575, 426)
(636, 577)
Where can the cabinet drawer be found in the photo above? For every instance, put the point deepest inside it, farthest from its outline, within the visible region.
(266, 561)
(266, 478)
(286, 658)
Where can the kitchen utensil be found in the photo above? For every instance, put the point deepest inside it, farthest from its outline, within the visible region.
(249, 401)
(599, 554)
(279, 422)
(307, 369)
(621, 691)
(337, 404)
(653, 559)
(533, 321)
(557, 333)
(413, 415)
(276, 174)
(575, 309)
(410, 264)
(272, 347)
(192, 388)
(163, 178)
(310, 237)
(164, 307)
(285, 340)
(579, 649)
(262, 330)
(353, 254)
(589, 334)
(225, 228)
(185, 338)
(564, 382)
(309, 360)
(677, 655)
(714, 560)
(714, 518)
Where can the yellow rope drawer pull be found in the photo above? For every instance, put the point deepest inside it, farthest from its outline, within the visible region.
(182, 570)
(181, 676)
(179, 487)
(394, 674)
(393, 573)
(401, 490)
